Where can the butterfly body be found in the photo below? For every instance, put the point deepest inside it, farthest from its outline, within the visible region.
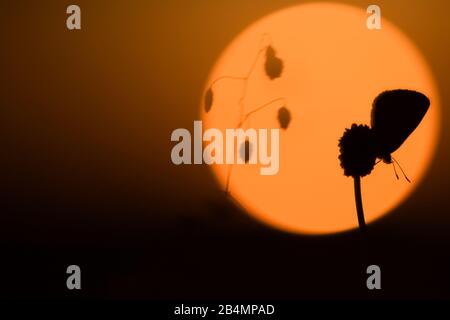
(387, 158)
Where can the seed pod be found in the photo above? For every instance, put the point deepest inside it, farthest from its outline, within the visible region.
(245, 150)
(209, 96)
(284, 117)
(273, 65)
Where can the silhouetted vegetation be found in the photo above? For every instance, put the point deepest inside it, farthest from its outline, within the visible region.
(273, 67)
(395, 115)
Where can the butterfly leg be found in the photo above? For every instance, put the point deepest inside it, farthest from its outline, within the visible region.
(404, 174)
(395, 171)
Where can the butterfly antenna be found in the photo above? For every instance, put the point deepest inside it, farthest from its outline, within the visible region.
(395, 171)
(406, 177)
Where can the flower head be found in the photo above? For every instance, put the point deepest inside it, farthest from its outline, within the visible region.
(357, 152)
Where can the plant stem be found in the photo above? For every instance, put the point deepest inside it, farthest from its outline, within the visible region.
(265, 105)
(359, 206)
(227, 185)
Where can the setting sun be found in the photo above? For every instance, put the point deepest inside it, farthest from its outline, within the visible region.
(333, 68)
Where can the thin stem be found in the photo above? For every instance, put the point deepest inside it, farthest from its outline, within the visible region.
(359, 205)
(247, 76)
(227, 186)
(245, 86)
(227, 78)
(245, 79)
(243, 117)
(259, 108)
(264, 36)
(239, 125)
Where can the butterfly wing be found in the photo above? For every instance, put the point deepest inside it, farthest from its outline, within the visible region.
(395, 115)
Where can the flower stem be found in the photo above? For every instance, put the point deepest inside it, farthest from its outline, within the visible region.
(359, 206)
(227, 185)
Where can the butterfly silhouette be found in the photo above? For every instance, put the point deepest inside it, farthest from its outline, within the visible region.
(395, 115)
